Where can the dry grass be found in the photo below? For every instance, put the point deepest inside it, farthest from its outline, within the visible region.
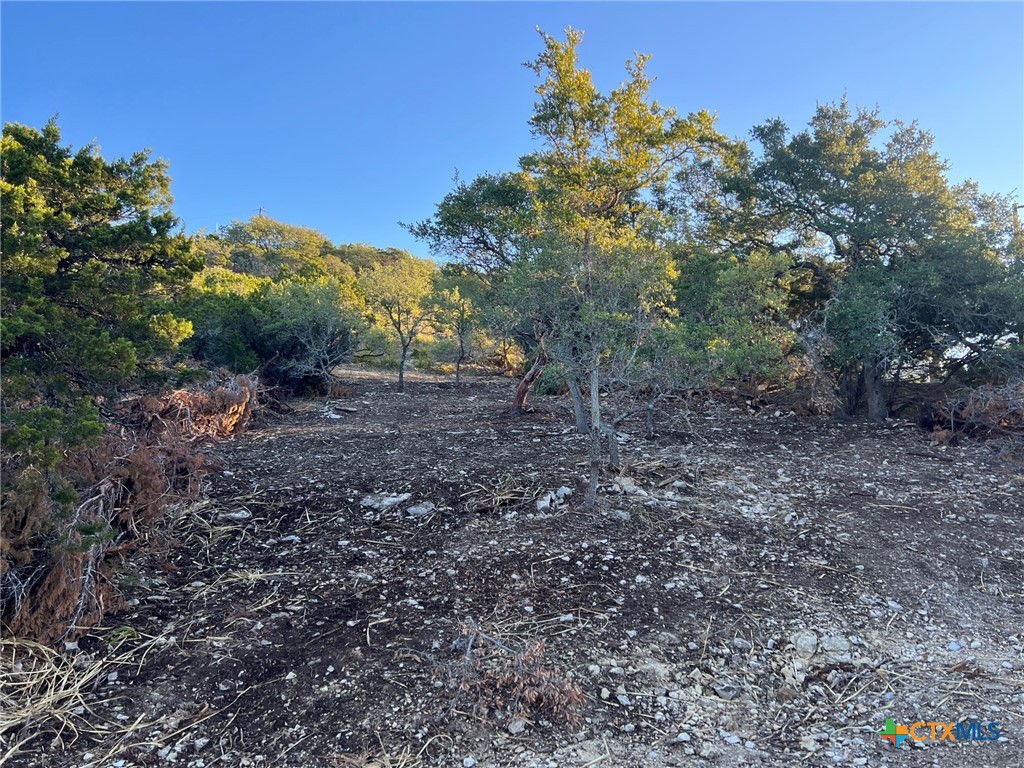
(38, 684)
(43, 691)
(508, 491)
(383, 758)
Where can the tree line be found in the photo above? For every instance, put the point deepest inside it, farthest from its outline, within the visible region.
(642, 251)
(637, 253)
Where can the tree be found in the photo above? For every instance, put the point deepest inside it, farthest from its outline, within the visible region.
(490, 226)
(574, 240)
(456, 295)
(915, 271)
(399, 295)
(227, 311)
(320, 320)
(280, 298)
(92, 265)
(269, 248)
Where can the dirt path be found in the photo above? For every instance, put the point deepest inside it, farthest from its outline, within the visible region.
(758, 590)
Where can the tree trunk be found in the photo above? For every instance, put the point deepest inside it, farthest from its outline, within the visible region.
(458, 363)
(614, 458)
(523, 390)
(850, 389)
(579, 411)
(401, 369)
(893, 390)
(595, 470)
(595, 438)
(875, 390)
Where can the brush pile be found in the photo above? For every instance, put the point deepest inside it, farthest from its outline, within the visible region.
(989, 411)
(62, 534)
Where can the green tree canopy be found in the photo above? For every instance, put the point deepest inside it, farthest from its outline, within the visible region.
(269, 248)
(399, 297)
(91, 262)
(916, 272)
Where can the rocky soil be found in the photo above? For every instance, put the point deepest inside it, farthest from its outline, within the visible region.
(407, 580)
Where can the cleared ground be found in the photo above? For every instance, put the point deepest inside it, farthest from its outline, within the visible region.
(757, 589)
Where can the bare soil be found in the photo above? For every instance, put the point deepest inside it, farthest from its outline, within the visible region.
(756, 589)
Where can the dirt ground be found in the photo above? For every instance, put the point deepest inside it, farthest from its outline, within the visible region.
(755, 589)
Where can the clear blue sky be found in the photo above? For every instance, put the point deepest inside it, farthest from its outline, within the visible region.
(350, 117)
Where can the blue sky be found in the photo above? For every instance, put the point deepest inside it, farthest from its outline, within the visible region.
(350, 117)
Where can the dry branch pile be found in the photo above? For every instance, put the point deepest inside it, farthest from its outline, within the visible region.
(55, 562)
(224, 406)
(510, 684)
(988, 411)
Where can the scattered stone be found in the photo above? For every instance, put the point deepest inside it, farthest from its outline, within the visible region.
(809, 743)
(727, 689)
(629, 486)
(785, 694)
(835, 644)
(422, 509)
(775, 663)
(805, 643)
(709, 751)
(384, 501)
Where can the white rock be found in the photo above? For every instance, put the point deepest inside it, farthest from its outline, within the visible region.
(726, 689)
(384, 501)
(805, 643)
(422, 509)
(809, 743)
